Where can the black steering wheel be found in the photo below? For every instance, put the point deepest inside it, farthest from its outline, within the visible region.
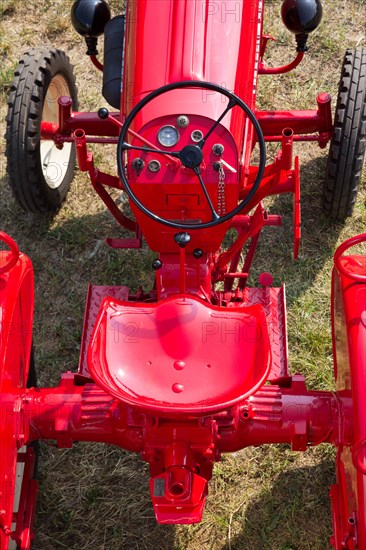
(191, 156)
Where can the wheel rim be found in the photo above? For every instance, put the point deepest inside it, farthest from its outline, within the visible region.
(18, 486)
(55, 162)
(358, 239)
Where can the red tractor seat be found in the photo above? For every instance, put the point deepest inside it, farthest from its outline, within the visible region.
(181, 355)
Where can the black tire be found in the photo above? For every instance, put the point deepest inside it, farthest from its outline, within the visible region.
(32, 374)
(348, 145)
(39, 174)
(32, 383)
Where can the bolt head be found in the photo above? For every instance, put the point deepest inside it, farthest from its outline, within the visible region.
(218, 149)
(198, 253)
(103, 113)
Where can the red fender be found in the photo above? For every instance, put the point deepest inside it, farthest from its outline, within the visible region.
(16, 315)
(16, 320)
(349, 349)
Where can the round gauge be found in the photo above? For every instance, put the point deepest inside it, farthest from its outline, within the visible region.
(168, 136)
(196, 135)
(154, 166)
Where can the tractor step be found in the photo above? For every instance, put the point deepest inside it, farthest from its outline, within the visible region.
(95, 297)
(273, 301)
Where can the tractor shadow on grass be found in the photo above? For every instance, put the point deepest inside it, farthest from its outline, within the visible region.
(79, 504)
(318, 242)
(103, 502)
(293, 515)
(91, 496)
(24, 227)
(68, 238)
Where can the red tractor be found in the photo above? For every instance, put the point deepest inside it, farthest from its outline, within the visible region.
(198, 365)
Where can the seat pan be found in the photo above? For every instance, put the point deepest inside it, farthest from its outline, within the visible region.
(180, 355)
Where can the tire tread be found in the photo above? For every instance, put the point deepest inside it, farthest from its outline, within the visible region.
(31, 78)
(348, 145)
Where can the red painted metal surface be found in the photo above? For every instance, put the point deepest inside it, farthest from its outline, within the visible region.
(8, 259)
(297, 210)
(349, 349)
(352, 266)
(96, 295)
(24, 517)
(192, 54)
(187, 371)
(173, 191)
(271, 299)
(179, 356)
(274, 303)
(301, 122)
(16, 319)
(187, 48)
(284, 68)
(177, 447)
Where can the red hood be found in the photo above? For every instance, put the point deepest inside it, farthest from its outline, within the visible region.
(173, 40)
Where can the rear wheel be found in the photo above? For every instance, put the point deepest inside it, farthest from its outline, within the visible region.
(40, 174)
(348, 145)
(31, 383)
(348, 494)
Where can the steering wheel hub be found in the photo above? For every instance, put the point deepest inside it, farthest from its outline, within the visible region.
(191, 156)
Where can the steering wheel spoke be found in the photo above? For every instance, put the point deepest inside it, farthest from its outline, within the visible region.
(232, 103)
(215, 215)
(127, 147)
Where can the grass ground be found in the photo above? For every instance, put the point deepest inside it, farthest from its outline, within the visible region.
(97, 497)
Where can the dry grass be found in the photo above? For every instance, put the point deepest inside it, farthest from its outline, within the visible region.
(97, 497)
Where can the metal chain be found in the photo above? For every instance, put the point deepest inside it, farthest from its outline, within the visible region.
(221, 192)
